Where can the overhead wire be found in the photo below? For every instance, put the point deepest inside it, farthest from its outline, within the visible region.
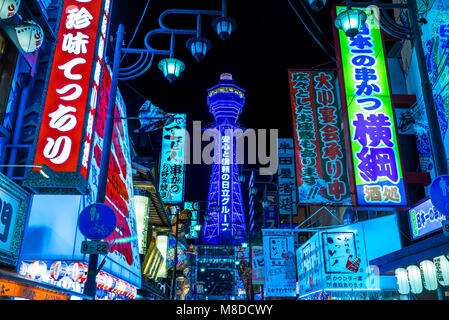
(310, 32)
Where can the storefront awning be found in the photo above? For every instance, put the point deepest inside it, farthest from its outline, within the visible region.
(413, 254)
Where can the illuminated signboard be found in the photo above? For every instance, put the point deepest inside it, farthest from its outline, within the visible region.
(119, 189)
(320, 154)
(280, 269)
(194, 207)
(435, 37)
(13, 214)
(29, 292)
(171, 179)
(424, 219)
(63, 143)
(376, 160)
(225, 182)
(286, 177)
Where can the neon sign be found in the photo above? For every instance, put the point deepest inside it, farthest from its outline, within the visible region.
(171, 179)
(63, 121)
(374, 143)
(424, 219)
(320, 156)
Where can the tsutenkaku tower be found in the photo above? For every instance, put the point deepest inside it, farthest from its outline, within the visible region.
(226, 223)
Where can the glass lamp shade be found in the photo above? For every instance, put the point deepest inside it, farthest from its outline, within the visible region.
(350, 21)
(30, 36)
(171, 67)
(224, 26)
(198, 47)
(8, 8)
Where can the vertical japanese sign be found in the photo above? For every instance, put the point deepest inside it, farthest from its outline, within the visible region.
(225, 182)
(321, 171)
(258, 263)
(308, 258)
(61, 142)
(271, 214)
(171, 179)
(376, 160)
(286, 177)
(435, 37)
(280, 269)
(119, 188)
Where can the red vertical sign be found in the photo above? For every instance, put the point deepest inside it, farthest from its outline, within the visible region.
(62, 127)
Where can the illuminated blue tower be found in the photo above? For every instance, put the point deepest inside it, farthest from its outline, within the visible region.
(226, 223)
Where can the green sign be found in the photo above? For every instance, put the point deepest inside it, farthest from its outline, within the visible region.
(375, 154)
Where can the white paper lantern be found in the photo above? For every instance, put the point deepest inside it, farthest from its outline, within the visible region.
(23, 268)
(429, 275)
(30, 36)
(8, 8)
(402, 280)
(414, 278)
(442, 268)
(58, 270)
(37, 270)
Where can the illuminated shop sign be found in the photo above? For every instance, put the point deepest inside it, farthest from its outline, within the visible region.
(376, 160)
(171, 178)
(320, 155)
(194, 207)
(119, 189)
(77, 59)
(424, 219)
(225, 182)
(13, 213)
(286, 177)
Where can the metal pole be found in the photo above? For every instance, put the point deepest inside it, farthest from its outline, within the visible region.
(175, 257)
(438, 150)
(90, 286)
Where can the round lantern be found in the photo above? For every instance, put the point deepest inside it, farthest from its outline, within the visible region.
(429, 275)
(66, 283)
(58, 270)
(37, 270)
(442, 270)
(77, 272)
(414, 279)
(8, 8)
(30, 36)
(108, 282)
(23, 268)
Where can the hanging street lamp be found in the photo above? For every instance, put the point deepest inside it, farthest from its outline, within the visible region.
(350, 21)
(224, 26)
(171, 68)
(198, 46)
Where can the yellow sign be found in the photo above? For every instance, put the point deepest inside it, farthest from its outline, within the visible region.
(20, 290)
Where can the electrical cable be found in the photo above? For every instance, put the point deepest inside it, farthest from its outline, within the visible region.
(316, 25)
(310, 32)
(137, 28)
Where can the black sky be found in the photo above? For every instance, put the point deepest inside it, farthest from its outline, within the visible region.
(269, 40)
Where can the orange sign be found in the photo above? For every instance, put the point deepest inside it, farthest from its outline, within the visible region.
(20, 290)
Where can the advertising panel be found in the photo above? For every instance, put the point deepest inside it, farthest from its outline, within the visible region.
(280, 272)
(377, 168)
(194, 207)
(63, 142)
(424, 219)
(321, 172)
(258, 263)
(13, 213)
(271, 213)
(308, 258)
(171, 179)
(119, 189)
(286, 177)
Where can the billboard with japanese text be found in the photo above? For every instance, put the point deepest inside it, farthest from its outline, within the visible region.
(171, 178)
(279, 262)
(321, 172)
(366, 97)
(65, 136)
(286, 177)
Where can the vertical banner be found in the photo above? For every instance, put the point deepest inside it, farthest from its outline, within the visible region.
(321, 171)
(258, 263)
(377, 167)
(280, 269)
(286, 177)
(271, 213)
(308, 259)
(171, 179)
(194, 207)
(77, 60)
(119, 188)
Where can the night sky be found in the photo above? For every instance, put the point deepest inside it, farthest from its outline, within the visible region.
(270, 39)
